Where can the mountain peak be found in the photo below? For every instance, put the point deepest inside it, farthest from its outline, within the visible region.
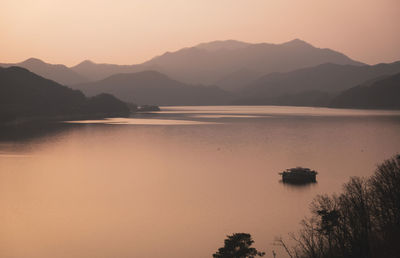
(32, 61)
(86, 62)
(222, 44)
(297, 42)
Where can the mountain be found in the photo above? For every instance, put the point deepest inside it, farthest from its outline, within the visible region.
(222, 45)
(238, 79)
(229, 64)
(95, 72)
(311, 98)
(24, 94)
(218, 62)
(151, 87)
(383, 93)
(328, 78)
(56, 72)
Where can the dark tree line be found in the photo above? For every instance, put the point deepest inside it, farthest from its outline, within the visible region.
(362, 221)
(238, 245)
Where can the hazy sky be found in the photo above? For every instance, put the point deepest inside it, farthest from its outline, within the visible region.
(132, 31)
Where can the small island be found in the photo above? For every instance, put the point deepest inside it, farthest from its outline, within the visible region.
(299, 175)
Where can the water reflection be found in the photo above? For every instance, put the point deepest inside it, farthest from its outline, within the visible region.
(279, 110)
(298, 186)
(33, 130)
(138, 121)
(111, 190)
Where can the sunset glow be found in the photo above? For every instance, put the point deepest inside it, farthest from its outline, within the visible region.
(129, 32)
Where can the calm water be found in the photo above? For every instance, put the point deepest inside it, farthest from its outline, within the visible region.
(173, 184)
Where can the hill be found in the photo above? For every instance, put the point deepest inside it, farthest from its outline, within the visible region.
(383, 93)
(56, 72)
(328, 78)
(151, 87)
(228, 64)
(95, 72)
(217, 62)
(24, 94)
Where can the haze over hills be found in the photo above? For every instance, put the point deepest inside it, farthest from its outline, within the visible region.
(216, 62)
(24, 94)
(291, 73)
(383, 93)
(56, 72)
(151, 87)
(326, 79)
(96, 72)
(228, 64)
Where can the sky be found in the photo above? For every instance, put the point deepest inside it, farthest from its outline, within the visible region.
(133, 31)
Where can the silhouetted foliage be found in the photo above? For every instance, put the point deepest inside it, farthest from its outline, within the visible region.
(363, 221)
(238, 245)
(106, 103)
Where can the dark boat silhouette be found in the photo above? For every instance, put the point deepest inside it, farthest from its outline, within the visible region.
(299, 175)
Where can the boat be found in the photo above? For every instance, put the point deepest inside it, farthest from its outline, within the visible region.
(299, 175)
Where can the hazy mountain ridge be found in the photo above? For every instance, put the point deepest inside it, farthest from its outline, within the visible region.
(95, 71)
(382, 93)
(24, 94)
(310, 98)
(56, 72)
(198, 65)
(222, 44)
(151, 87)
(229, 64)
(328, 78)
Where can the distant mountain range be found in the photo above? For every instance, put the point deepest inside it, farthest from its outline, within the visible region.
(56, 72)
(25, 95)
(228, 64)
(382, 93)
(322, 80)
(95, 72)
(151, 87)
(225, 72)
(233, 64)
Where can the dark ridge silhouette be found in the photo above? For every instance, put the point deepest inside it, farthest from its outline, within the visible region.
(25, 95)
(327, 79)
(312, 98)
(151, 87)
(382, 93)
(56, 72)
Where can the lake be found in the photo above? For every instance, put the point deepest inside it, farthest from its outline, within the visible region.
(175, 183)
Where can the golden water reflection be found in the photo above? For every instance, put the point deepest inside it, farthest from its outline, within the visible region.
(110, 190)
